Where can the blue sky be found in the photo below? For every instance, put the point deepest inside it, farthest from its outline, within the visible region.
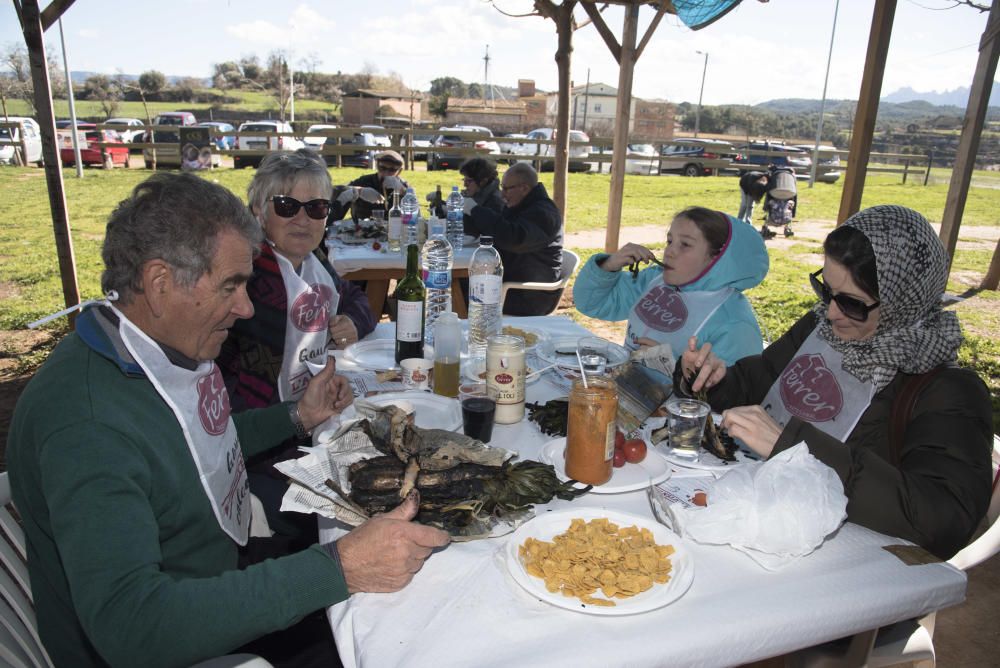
(757, 52)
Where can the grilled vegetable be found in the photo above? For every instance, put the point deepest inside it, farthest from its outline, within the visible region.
(551, 416)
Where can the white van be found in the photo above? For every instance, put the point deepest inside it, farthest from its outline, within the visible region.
(11, 138)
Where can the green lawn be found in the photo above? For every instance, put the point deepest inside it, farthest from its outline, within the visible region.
(31, 286)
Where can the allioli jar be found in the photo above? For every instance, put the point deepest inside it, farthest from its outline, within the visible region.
(590, 430)
(505, 376)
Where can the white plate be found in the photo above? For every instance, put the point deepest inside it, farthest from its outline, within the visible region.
(705, 461)
(547, 525)
(431, 411)
(547, 352)
(377, 354)
(649, 471)
(540, 336)
(473, 367)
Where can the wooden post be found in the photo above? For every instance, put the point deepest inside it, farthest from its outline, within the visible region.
(864, 121)
(906, 169)
(31, 23)
(972, 128)
(992, 278)
(623, 114)
(930, 161)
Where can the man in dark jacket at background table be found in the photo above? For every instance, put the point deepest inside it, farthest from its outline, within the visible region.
(528, 232)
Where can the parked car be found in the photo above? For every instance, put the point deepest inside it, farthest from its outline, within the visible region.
(63, 123)
(170, 154)
(777, 154)
(130, 127)
(421, 143)
(381, 138)
(9, 137)
(363, 157)
(448, 146)
(222, 142)
(579, 149)
(90, 149)
(697, 157)
(317, 141)
(641, 159)
(828, 164)
(512, 145)
(258, 143)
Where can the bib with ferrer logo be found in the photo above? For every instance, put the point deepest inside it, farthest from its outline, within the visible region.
(200, 404)
(667, 315)
(815, 387)
(312, 299)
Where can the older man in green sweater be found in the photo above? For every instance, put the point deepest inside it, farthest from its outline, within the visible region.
(128, 469)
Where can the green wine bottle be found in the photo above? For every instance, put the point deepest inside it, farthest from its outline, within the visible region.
(410, 296)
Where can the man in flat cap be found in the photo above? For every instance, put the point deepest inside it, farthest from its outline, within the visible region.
(371, 191)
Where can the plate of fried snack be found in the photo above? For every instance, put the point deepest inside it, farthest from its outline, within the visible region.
(599, 562)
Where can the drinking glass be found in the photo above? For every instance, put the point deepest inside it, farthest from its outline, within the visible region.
(478, 411)
(594, 352)
(685, 425)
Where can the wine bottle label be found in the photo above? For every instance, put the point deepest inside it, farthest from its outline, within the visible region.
(409, 321)
(437, 280)
(485, 289)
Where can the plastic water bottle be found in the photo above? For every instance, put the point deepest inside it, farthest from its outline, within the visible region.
(456, 229)
(436, 261)
(485, 282)
(411, 216)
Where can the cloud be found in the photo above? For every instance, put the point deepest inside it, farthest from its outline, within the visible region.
(259, 32)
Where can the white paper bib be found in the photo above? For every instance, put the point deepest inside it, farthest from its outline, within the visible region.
(668, 315)
(815, 387)
(312, 300)
(200, 404)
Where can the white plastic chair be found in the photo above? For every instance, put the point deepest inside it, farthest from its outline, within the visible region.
(569, 262)
(911, 641)
(20, 646)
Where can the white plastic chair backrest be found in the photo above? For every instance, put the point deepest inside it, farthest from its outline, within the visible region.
(19, 642)
(569, 262)
(987, 544)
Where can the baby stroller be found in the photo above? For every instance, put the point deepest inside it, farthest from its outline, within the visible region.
(780, 201)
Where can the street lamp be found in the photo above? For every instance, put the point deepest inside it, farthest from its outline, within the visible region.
(697, 114)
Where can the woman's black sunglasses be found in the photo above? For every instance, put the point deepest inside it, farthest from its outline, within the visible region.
(286, 207)
(853, 308)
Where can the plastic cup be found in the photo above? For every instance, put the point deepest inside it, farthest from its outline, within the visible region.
(478, 411)
(416, 373)
(685, 425)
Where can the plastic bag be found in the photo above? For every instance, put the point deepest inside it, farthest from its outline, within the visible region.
(775, 512)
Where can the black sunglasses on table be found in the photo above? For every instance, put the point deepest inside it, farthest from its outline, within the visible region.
(286, 207)
(852, 307)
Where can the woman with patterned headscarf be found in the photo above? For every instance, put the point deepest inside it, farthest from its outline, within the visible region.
(877, 337)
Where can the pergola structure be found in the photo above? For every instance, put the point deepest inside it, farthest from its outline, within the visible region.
(34, 21)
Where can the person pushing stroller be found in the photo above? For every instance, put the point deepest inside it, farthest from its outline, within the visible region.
(780, 201)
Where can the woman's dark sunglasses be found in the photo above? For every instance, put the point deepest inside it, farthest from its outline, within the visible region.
(853, 308)
(286, 207)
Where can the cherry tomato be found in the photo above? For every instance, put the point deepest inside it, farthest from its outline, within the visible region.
(376, 245)
(619, 440)
(699, 498)
(635, 450)
(619, 460)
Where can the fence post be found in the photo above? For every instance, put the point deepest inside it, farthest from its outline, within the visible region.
(930, 159)
(906, 169)
(24, 145)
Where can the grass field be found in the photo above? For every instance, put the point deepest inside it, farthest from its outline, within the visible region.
(30, 285)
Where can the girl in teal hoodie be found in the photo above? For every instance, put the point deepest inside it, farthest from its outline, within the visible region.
(710, 258)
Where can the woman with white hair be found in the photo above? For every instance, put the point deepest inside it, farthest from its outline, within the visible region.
(867, 379)
(301, 306)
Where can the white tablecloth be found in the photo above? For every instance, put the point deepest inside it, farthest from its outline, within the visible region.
(348, 258)
(463, 608)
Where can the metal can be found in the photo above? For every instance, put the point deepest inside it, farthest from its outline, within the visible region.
(505, 376)
(590, 430)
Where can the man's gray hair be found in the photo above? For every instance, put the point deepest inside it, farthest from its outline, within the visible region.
(176, 218)
(524, 172)
(280, 172)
